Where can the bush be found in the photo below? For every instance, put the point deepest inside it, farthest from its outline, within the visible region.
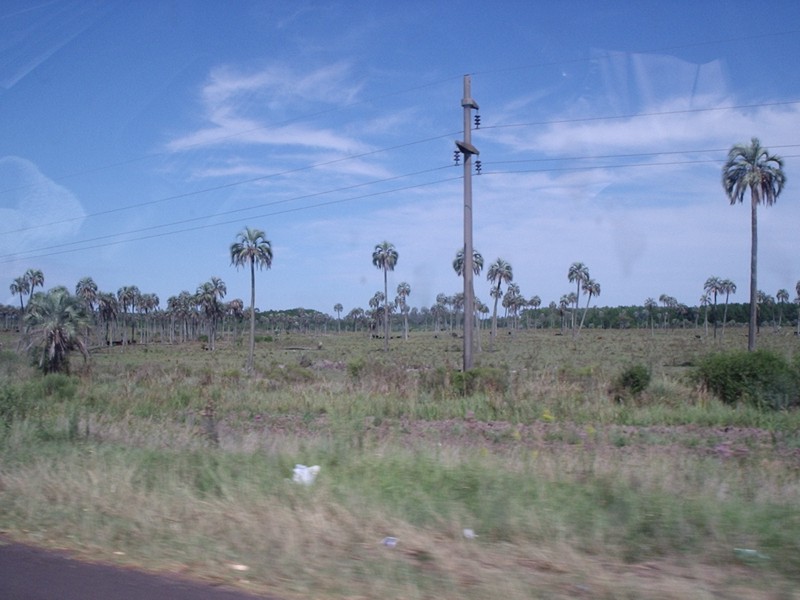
(631, 382)
(761, 378)
(486, 380)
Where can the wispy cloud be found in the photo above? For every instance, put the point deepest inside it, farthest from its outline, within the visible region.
(254, 108)
(35, 210)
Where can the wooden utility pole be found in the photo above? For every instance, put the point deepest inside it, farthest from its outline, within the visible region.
(467, 149)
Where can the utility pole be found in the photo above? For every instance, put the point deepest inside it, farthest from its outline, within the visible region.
(467, 149)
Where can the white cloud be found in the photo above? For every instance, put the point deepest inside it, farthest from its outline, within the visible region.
(247, 108)
(34, 210)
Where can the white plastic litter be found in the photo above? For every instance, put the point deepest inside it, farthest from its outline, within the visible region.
(390, 542)
(305, 475)
(469, 534)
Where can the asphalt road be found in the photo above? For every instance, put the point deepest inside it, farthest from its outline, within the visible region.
(28, 573)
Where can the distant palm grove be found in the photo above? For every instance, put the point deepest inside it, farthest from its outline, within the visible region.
(92, 317)
(58, 321)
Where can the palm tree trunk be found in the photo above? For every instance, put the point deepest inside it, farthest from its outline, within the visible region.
(585, 310)
(751, 331)
(385, 310)
(252, 351)
(724, 316)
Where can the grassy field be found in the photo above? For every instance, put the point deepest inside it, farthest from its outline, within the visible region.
(170, 458)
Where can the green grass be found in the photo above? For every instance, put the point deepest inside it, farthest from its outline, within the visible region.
(567, 488)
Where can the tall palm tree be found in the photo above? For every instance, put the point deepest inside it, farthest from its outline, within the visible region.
(403, 292)
(86, 290)
(563, 303)
(499, 272)
(252, 247)
(592, 288)
(53, 324)
(577, 273)
(752, 167)
(651, 305)
(712, 287)
(511, 301)
(338, 308)
(35, 278)
(234, 309)
(728, 287)
(108, 310)
(477, 267)
(384, 257)
(128, 297)
(208, 296)
(20, 286)
(782, 297)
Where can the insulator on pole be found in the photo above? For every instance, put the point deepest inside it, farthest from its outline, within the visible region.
(477, 121)
(457, 157)
(478, 167)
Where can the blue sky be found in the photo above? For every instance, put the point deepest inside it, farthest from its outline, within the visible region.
(138, 138)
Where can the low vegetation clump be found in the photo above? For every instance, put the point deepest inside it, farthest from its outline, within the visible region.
(631, 382)
(762, 378)
(518, 475)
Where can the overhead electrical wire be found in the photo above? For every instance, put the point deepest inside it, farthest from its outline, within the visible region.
(400, 146)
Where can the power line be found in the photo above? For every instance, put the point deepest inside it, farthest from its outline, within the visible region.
(640, 115)
(397, 147)
(7, 258)
(236, 183)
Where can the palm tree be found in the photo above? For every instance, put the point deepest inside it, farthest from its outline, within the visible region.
(477, 267)
(499, 272)
(338, 308)
(650, 305)
(782, 297)
(403, 292)
(728, 288)
(253, 248)
(35, 278)
(384, 257)
(234, 309)
(511, 301)
(20, 286)
(53, 324)
(86, 290)
(578, 273)
(108, 310)
(713, 286)
(477, 262)
(592, 288)
(704, 302)
(753, 167)
(208, 297)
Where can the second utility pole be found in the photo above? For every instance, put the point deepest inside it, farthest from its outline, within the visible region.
(467, 149)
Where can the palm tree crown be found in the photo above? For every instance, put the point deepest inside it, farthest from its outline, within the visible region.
(751, 167)
(477, 262)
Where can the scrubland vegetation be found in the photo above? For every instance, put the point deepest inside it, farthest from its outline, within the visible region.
(611, 465)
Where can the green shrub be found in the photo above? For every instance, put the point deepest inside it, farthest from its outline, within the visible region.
(486, 380)
(761, 378)
(633, 380)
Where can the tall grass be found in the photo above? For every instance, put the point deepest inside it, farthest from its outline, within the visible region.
(570, 492)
